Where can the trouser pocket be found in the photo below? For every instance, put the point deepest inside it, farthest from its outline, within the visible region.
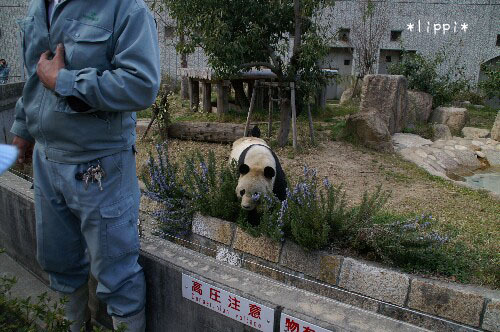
(120, 222)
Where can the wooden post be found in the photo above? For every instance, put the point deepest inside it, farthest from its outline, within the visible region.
(222, 97)
(194, 94)
(259, 102)
(227, 93)
(270, 122)
(294, 114)
(207, 97)
(311, 128)
(252, 106)
(250, 89)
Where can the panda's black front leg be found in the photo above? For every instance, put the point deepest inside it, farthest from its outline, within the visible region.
(253, 217)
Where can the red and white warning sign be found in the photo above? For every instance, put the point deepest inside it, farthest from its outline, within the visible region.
(291, 324)
(233, 306)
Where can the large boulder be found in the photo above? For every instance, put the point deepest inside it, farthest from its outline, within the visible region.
(495, 131)
(471, 132)
(403, 141)
(371, 130)
(420, 104)
(440, 131)
(350, 94)
(454, 117)
(387, 96)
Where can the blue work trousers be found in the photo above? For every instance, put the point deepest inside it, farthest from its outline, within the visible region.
(85, 229)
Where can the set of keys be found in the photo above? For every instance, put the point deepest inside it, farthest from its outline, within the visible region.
(93, 174)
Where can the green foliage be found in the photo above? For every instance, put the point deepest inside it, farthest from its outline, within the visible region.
(212, 188)
(422, 74)
(491, 85)
(238, 35)
(29, 314)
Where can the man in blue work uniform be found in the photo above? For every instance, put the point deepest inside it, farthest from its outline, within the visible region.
(91, 65)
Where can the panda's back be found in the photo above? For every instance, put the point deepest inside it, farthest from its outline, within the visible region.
(242, 143)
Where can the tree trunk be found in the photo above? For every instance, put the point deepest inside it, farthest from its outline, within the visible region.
(207, 131)
(184, 80)
(240, 95)
(285, 118)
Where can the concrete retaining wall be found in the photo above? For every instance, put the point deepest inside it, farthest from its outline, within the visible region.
(9, 94)
(439, 306)
(165, 263)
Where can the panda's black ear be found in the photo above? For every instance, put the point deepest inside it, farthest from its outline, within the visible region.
(244, 169)
(269, 172)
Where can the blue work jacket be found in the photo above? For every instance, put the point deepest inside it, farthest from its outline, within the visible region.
(112, 65)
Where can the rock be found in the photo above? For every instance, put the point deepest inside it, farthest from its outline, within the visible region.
(378, 283)
(491, 321)
(468, 159)
(478, 106)
(420, 104)
(445, 300)
(440, 131)
(493, 157)
(495, 131)
(370, 130)
(402, 141)
(480, 154)
(471, 132)
(454, 117)
(350, 94)
(387, 96)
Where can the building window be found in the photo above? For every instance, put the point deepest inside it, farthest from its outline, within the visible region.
(388, 58)
(344, 34)
(169, 31)
(347, 62)
(498, 40)
(396, 35)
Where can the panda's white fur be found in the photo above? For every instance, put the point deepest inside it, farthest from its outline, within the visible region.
(258, 157)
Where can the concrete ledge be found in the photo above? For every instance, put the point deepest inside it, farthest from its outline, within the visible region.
(372, 287)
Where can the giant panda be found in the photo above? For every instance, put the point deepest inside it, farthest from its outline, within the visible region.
(260, 171)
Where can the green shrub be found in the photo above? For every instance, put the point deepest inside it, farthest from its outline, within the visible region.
(491, 85)
(29, 314)
(212, 188)
(422, 74)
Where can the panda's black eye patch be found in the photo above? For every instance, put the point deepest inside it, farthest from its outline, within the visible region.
(244, 169)
(269, 172)
(242, 192)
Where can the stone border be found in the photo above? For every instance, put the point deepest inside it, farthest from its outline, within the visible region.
(436, 305)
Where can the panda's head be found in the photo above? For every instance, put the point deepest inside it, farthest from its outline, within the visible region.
(254, 182)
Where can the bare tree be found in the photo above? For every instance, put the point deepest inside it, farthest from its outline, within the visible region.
(368, 28)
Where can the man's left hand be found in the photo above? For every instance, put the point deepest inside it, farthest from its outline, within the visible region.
(47, 70)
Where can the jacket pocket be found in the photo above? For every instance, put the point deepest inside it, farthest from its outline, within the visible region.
(121, 234)
(30, 45)
(86, 45)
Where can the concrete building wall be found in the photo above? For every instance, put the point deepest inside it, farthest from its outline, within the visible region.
(470, 48)
(10, 11)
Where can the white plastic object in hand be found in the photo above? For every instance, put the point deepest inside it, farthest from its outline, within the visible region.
(8, 155)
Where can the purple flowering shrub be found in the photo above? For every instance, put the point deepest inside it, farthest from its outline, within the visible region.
(163, 186)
